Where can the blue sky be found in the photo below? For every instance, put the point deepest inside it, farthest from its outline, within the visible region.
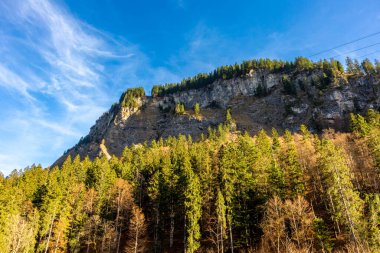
(63, 63)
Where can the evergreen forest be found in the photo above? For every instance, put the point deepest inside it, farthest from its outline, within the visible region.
(227, 192)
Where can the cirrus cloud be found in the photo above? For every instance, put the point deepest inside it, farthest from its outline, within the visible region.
(57, 75)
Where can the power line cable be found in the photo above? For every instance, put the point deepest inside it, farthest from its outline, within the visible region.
(344, 44)
(362, 56)
(355, 50)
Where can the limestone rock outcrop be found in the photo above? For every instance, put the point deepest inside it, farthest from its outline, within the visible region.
(309, 103)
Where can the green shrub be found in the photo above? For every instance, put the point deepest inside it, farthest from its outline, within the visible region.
(261, 91)
(303, 63)
(179, 108)
(196, 109)
(289, 86)
(129, 97)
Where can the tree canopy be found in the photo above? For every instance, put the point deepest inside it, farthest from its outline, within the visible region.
(290, 192)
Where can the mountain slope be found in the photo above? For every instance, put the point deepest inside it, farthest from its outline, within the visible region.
(259, 99)
(227, 192)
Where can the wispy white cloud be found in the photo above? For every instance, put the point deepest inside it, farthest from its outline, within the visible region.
(11, 80)
(59, 66)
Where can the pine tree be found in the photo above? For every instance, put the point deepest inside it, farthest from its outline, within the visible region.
(346, 207)
(277, 183)
(228, 177)
(359, 125)
(374, 145)
(229, 121)
(275, 140)
(196, 109)
(233, 190)
(251, 187)
(193, 204)
(238, 182)
(305, 132)
(155, 197)
(370, 129)
(221, 221)
(373, 223)
(50, 208)
(323, 235)
(261, 160)
(137, 168)
(350, 66)
(77, 215)
(368, 67)
(293, 168)
(179, 108)
(169, 191)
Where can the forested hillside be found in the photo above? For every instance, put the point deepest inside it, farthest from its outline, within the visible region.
(227, 192)
(261, 94)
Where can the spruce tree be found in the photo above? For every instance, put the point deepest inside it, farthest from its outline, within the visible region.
(276, 179)
(221, 220)
(373, 222)
(193, 211)
(275, 140)
(155, 198)
(294, 173)
(323, 235)
(196, 109)
(262, 164)
(228, 178)
(346, 207)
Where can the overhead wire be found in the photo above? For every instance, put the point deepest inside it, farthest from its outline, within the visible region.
(355, 50)
(345, 44)
(362, 56)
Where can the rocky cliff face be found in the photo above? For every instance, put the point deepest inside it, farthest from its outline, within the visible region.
(257, 101)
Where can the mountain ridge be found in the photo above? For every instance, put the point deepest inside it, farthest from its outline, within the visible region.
(282, 95)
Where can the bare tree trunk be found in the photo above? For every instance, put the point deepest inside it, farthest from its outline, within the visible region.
(217, 238)
(103, 239)
(296, 230)
(278, 235)
(56, 243)
(95, 233)
(50, 230)
(346, 209)
(333, 207)
(118, 239)
(231, 239)
(156, 229)
(118, 231)
(89, 240)
(221, 237)
(136, 238)
(184, 235)
(171, 224)
(88, 248)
